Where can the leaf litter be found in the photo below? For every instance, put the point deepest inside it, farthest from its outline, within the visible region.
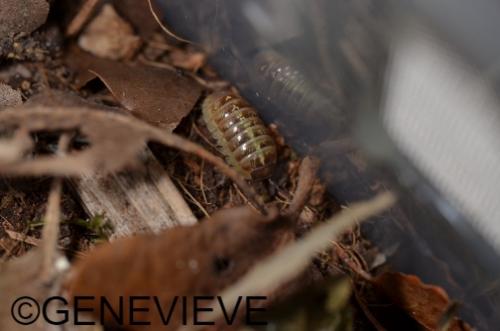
(160, 84)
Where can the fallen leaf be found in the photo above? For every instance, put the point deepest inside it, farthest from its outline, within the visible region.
(157, 96)
(423, 302)
(205, 259)
(184, 261)
(109, 36)
(21, 16)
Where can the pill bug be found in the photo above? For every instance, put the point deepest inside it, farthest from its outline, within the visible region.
(297, 101)
(241, 135)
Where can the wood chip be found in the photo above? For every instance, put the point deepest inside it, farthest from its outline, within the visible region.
(135, 202)
(109, 36)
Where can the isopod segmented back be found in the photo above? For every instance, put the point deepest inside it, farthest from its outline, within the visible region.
(241, 135)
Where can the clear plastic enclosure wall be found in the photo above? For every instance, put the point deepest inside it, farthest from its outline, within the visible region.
(400, 95)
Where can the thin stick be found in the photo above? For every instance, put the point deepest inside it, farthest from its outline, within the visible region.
(81, 17)
(307, 175)
(367, 311)
(196, 202)
(163, 27)
(50, 232)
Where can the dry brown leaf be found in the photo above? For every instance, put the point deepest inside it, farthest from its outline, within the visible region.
(423, 302)
(183, 261)
(9, 97)
(205, 259)
(159, 97)
(156, 15)
(197, 260)
(109, 36)
(21, 16)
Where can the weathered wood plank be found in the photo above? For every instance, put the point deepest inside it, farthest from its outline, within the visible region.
(137, 201)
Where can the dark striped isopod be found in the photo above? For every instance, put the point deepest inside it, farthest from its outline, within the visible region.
(241, 135)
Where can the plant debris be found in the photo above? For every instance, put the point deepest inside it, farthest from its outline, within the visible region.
(109, 36)
(427, 304)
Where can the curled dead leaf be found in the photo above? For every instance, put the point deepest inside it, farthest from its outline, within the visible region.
(425, 303)
(157, 96)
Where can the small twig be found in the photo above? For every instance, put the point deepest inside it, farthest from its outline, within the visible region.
(50, 232)
(209, 85)
(367, 311)
(345, 257)
(193, 199)
(23, 238)
(81, 17)
(204, 137)
(448, 317)
(163, 27)
(202, 184)
(160, 45)
(307, 175)
(190, 147)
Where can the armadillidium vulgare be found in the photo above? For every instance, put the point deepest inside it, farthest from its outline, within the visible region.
(241, 135)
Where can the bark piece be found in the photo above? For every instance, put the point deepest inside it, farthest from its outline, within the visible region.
(136, 202)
